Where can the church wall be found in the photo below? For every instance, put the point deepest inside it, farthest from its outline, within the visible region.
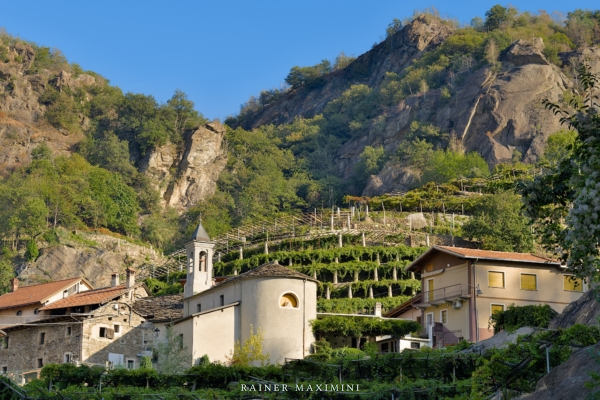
(286, 330)
(213, 334)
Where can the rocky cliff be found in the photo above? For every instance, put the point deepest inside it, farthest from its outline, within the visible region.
(392, 55)
(186, 174)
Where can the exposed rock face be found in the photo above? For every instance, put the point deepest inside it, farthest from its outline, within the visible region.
(187, 175)
(20, 112)
(95, 263)
(585, 310)
(494, 114)
(567, 381)
(392, 55)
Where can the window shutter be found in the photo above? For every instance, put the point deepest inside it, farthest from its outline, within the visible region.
(496, 279)
(110, 333)
(496, 308)
(573, 284)
(528, 282)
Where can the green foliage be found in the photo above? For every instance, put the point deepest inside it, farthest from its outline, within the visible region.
(357, 305)
(371, 162)
(311, 77)
(7, 272)
(358, 327)
(514, 317)
(498, 15)
(171, 355)
(498, 224)
(250, 352)
(146, 362)
(393, 27)
(31, 250)
(41, 152)
(446, 165)
(566, 193)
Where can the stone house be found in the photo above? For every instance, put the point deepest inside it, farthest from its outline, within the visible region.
(95, 326)
(462, 288)
(271, 297)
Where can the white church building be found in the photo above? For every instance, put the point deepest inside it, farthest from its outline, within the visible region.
(271, 297)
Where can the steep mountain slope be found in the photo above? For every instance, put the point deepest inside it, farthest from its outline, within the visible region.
(392, 55)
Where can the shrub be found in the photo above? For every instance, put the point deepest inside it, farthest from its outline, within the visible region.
(31, 252)
(514, 317)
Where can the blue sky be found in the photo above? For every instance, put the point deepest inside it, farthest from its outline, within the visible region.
(219, 52)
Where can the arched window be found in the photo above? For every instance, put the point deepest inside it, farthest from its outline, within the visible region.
(288, 300)
(202, 261)
(190, 262)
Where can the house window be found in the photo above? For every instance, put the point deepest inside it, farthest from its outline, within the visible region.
(5, 342)
(130, 364)
(495, 279)
(19, 313)
(42, 337)
(573, 284)
(69, 331)
(117, 328)
(106, 333)
(497, 308)
(202, 261)
(430, 290)
(40, 362)
(385, 347)
(67, 358)
(102, 332)
(528, 282)
(198, 307)
(415, 345)
(444, 316)
(288, 300)
(222, 300)
(36, 311)
(4, 370)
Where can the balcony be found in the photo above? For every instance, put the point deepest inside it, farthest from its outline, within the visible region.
(448, 294)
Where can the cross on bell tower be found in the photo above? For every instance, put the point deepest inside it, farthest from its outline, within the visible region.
(199, 262)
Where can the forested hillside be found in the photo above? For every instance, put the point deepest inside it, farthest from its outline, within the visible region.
(434, 102)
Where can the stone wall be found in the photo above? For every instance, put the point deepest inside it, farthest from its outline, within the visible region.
(25, 346)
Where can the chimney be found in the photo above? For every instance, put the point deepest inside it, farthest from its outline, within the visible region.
(130, 280)
(14, 284)
(114, 279)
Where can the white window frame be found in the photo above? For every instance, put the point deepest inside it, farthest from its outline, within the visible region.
(120, 330)
(537, 285)
(70, 355)
(293, 294)
(574, 291)
(445, 310)
(503, 279)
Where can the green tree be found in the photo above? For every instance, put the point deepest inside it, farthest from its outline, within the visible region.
(184, 115)
(498, 15)
(445, 165)
(498, 224)
(393, 27)
(564, 199)
(371, 162)
(250, 351)
(171, 355)
(31, 250)
(42, 152)
(7, 272)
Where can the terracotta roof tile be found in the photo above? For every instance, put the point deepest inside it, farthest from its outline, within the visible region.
(463, 252)
(498, 255)
(33, 294)
(96, 296)
(161, 308)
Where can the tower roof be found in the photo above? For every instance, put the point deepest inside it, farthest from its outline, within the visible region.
(200, 234)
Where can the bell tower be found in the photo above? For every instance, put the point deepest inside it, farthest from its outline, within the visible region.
(199, 263)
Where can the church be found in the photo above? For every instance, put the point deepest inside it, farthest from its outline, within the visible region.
(275, 299)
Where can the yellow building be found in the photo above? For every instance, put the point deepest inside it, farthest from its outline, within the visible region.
(461, 288)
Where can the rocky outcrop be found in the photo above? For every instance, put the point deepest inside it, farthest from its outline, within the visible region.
(94, 262)
(392, 55)
(585, 311)
(567, 381)
(64, 79)
(187, 174)
(495, 114)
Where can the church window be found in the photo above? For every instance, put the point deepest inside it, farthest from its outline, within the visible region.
(202, 261)
(288, 300)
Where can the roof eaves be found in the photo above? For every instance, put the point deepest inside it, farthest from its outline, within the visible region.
(235, 303)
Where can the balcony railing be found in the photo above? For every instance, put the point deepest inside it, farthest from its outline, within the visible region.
(459, 291)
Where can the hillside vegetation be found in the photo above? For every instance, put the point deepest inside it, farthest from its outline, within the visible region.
(76, 148)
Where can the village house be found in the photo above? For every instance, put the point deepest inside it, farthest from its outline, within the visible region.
(462, 288)
(94, 326)
(271, 297)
